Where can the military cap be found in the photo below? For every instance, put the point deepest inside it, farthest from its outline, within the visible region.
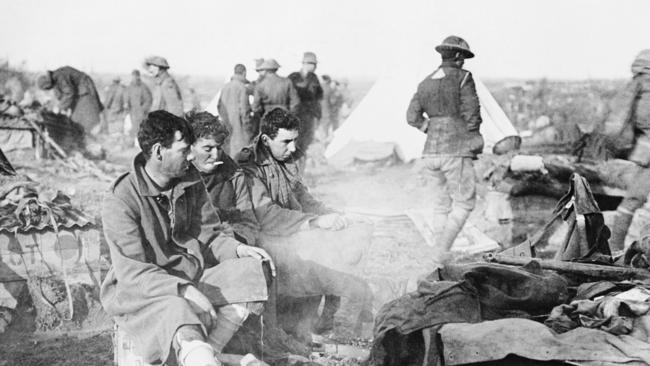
(455, 43)
(157, 61)
(258, 63)
(309, 58)
(45, 81)
(269, 64)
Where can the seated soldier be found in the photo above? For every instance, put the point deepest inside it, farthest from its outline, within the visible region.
(179, 279)
(224, 180)
(284, 208)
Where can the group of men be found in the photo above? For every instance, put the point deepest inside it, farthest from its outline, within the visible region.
(316, 104)
(186, 230)
(79, 100)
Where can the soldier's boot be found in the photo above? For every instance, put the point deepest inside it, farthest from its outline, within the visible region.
(622, 223)
(454, 224)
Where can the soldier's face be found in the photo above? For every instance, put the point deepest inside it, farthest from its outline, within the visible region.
(207, 154)
(153, 70)
(175, 160)
(283, 145)
(309, 67)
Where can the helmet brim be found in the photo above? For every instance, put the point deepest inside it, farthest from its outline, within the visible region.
(466, 53)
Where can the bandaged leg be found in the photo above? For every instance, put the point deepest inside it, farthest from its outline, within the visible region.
(191, 348)
(229, 319)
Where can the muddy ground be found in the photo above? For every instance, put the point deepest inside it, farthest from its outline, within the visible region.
(397, 257)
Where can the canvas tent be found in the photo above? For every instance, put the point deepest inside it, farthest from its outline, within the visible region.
(377, 127)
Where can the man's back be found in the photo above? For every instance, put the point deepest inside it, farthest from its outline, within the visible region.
(274, 91)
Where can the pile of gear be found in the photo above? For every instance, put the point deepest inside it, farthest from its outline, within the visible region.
(584, 306)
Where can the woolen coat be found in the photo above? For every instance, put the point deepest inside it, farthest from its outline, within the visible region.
(160, 241)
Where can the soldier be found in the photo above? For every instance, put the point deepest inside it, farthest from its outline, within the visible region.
(284, 209)
(114, 102)
(273, 91)
(138, 103)
(179, 279)
(235, 110)
(448, 97)
(631, 130)
(77, 95)
(166, 94)
(310, 93)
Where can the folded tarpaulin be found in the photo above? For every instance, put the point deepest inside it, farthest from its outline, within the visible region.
(465, 343)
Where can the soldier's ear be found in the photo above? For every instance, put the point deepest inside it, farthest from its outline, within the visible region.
(156, 151)
(265, 139)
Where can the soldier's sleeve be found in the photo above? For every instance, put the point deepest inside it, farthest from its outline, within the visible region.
(173, 99)
(470, 108)
(318, 89)
(218, 237)
(273, 218)
(247, 226)
(293, 98)
(67, 92)
(147, 98)
(258, 107)
(415, 110)
(309, 203)
(244, 108)
(121, 225)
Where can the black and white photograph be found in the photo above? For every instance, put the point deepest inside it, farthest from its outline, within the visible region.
(324, 183)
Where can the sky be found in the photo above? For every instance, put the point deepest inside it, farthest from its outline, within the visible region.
(558, 39)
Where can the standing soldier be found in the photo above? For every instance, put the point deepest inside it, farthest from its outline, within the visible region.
(166, 94)
(630, 130)
(138, 103)
(235, 110)
(449, 100)
(77, 95)
(114, 102)
(273, 91)
(310, 94)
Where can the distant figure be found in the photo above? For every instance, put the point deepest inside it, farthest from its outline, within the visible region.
(114, 101)
(138, 103)
(310, 93)
(195, 100)
(166, 94)
(77, 95)
(449, 99)
(273, 91)
(632, 134)
(235, 111)
(327, 117)
(343, 101)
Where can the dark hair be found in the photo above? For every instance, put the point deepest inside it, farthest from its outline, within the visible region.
(240, 69)
(327, 78)
(207, 125)
(276, 119)
(160, 127)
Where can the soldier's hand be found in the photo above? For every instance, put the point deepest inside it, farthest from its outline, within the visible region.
(258, 253)
(331, 222)
(200, 304)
